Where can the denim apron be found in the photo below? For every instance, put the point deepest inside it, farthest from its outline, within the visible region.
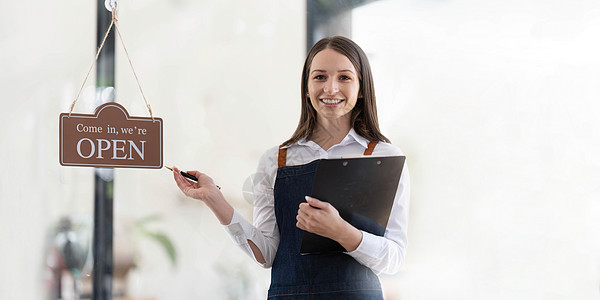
(315, 276)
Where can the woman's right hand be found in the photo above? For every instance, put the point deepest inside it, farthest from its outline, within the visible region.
(205, 189)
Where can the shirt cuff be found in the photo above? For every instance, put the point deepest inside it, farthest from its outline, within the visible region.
(239, 229)
(368, 247)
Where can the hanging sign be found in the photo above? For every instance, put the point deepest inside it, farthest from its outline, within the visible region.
(110, 138)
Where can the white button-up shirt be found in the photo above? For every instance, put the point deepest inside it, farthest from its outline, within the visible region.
(381, 254)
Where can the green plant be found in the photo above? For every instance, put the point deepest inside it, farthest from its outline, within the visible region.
(141, 228)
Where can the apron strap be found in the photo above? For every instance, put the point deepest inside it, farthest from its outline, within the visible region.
(370, 147)
(281, 159)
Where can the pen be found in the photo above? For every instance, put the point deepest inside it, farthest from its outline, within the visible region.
(188, 175)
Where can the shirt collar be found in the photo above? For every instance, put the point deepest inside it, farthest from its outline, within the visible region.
(361, 140)
(351, 136)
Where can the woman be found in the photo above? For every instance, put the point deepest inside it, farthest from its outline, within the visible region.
(338, 118)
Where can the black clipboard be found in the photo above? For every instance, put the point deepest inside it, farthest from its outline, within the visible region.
(362, 189)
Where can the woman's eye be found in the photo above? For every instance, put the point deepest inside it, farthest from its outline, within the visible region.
(319, 77)
(344, 77)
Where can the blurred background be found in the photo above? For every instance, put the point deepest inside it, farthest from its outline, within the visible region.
(495, 104)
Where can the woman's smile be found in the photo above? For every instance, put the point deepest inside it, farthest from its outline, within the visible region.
(331, 102)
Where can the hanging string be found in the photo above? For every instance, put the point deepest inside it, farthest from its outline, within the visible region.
(93, 63)
(112, 22)
(132, 69)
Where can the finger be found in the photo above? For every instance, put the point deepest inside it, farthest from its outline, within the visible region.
(177, 174)
(307, 212)
(195, 173)
(300, 223)
(315, 202)
(181, 184)
(302, 215)
(308, 217)
(304, 206)
(180, 181)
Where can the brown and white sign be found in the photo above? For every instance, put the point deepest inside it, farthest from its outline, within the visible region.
(110, 138)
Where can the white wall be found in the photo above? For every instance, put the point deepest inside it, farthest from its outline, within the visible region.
(496, 105)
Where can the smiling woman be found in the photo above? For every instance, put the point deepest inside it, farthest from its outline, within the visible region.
(338, 119)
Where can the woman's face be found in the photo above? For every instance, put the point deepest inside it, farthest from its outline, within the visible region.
(333, 85)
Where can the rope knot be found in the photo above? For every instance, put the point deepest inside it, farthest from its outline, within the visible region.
(150, 111)
(114, 15)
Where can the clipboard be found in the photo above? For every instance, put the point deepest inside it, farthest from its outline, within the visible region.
(362, 189)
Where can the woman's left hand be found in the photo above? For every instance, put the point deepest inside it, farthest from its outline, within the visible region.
(323, 219)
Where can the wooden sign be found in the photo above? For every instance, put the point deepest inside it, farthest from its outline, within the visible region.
(110, 138)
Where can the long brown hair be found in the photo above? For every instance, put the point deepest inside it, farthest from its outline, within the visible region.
(364, 114)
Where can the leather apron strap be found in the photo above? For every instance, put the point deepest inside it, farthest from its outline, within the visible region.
(370, 147)
(282, 157)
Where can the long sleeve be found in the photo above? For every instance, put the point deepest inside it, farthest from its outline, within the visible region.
(264, 233)
(386, 254)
